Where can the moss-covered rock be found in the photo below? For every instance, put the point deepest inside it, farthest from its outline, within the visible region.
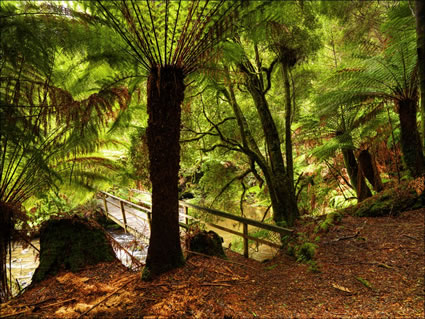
(330, 220)
(389, 202)
(71, 244)
(209, 243)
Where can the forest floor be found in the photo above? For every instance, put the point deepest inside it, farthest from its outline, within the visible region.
(369, 268)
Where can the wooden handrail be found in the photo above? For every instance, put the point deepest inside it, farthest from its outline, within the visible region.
(245, 221)
(143, 209)
(249, 221)
(147, 212)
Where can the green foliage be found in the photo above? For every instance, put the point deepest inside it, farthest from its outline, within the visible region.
(139, 157)
(337, 201)
(330, 220)
(179, 33)
(216, 175)
(48, 205)
(305, 252)
(237, 245)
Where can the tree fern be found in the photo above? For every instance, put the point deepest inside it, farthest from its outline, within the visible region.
(389, 77)
(41, 124)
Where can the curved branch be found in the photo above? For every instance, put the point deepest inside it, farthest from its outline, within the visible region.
(269, 74)
(239, 177)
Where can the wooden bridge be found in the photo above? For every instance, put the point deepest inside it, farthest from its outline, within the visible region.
(136, 219)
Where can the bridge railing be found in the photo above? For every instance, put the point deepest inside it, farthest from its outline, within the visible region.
(246, 222)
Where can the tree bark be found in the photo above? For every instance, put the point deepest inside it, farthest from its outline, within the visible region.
(288, 133)
(356, 177)
(165, 91)
(368, 166)
(6, 228)
(283, 200)
(278, 195)
(420, 38)
(410, 139)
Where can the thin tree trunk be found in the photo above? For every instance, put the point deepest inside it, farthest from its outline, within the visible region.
(288, 133)
(410, 139)
(420, 37)
(356, 177)
(165, 91)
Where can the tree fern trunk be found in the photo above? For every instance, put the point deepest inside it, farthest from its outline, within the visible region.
(165, 94)
(410, 139)
(420, 37)
(6, 226)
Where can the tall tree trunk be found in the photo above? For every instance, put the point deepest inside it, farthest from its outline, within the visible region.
(420, 38)
(410, 139)
(165, 91)
(367, 165)
(288, 133)
(279, 193)
(285, 207)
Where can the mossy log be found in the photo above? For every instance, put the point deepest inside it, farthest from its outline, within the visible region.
(71, 244)
(390, 202)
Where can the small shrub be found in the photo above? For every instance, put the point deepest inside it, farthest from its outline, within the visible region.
(306, 252)
(330, 220)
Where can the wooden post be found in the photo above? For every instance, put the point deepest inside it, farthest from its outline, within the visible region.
(150, 220)
(123, 215)
(245, 240)
(186, 212)
(106, 205)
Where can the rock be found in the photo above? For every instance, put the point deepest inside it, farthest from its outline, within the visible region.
(208, 243)
(71, 244)
(187, 195)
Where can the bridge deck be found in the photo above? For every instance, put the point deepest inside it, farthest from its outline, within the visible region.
(136, 220)
(137, 226)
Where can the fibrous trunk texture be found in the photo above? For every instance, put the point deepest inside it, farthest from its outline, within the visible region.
(410, 140)
(420, 37)
(165, 91)
(6, 226)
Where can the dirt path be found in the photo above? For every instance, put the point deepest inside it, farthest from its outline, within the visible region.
(369, 267)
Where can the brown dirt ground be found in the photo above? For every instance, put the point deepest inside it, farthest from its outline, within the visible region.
(388, 252)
